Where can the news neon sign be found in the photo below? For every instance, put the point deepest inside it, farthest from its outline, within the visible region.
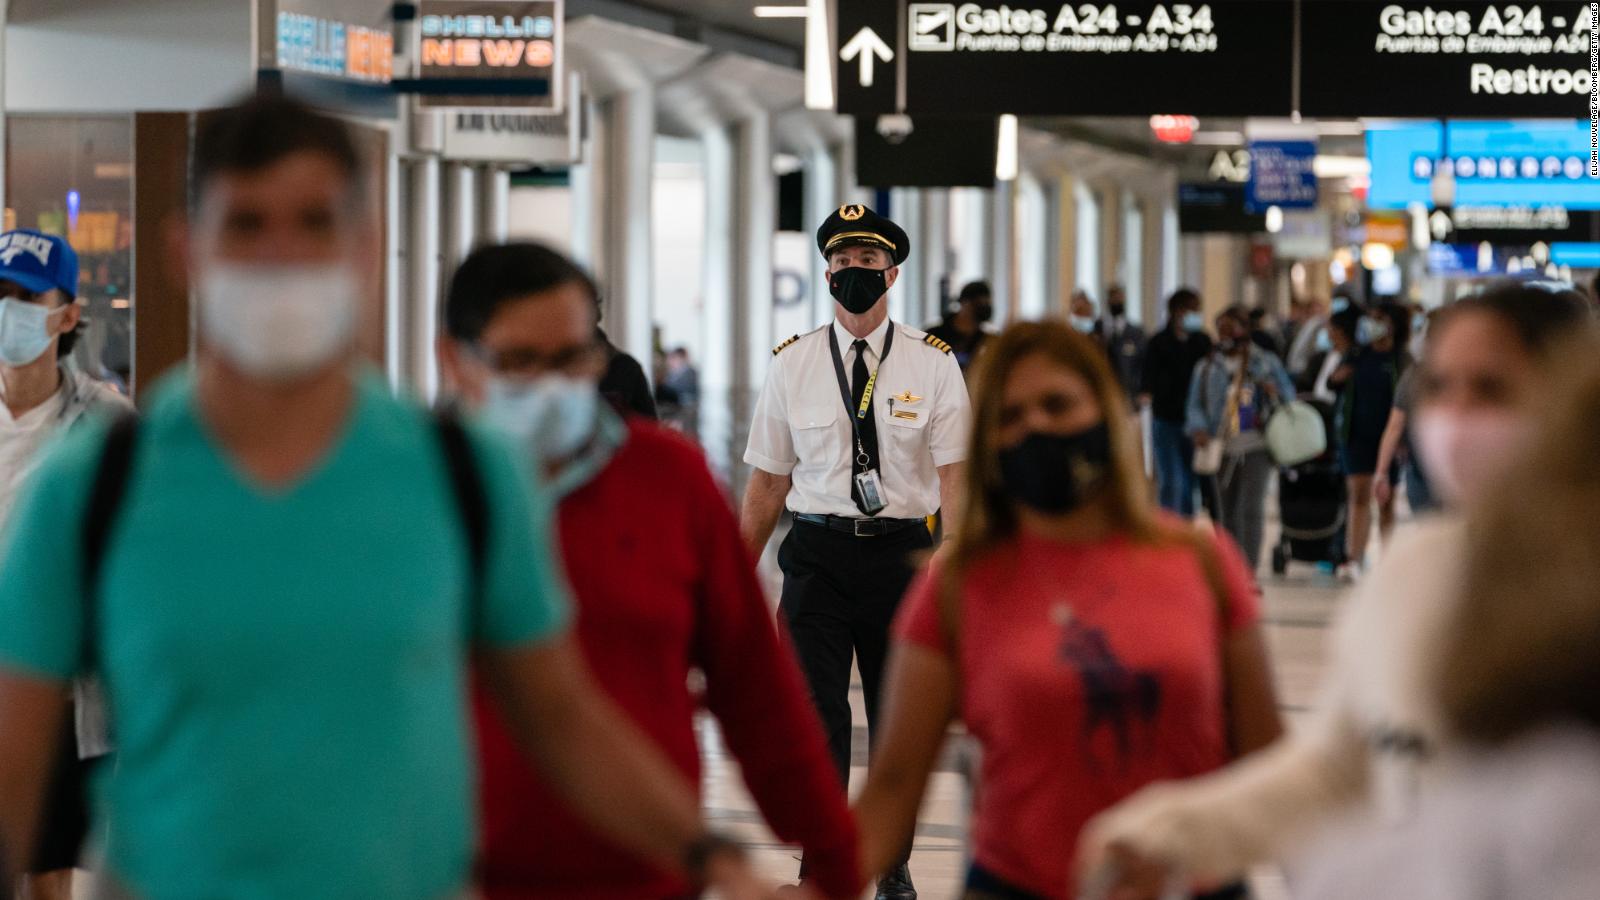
(335, 49)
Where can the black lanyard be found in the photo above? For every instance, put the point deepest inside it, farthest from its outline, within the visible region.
(857, 415)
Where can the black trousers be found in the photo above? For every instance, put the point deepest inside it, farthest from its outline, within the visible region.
(840, 594)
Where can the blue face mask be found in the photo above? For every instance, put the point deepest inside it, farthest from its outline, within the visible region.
(1084, 324)
(1324, 342)
(553, 416)
(24, 331)
(1340, 304)
(1370, 331)
(1194, 322)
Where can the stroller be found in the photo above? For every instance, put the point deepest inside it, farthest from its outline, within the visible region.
(1311, 507)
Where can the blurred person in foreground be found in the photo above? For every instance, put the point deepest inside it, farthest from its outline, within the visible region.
(1377, 733)
(1169, 368)
(1229, 399)
(1091, 644)
(668, 589)
(295, 575)
(40, 399)
(1518, 815)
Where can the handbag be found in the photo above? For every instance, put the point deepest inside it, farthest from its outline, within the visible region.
(1208, 459)
(1296, 434)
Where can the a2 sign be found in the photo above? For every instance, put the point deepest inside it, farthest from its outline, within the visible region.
(1223, 58)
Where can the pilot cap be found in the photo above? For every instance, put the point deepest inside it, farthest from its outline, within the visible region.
(858, 226)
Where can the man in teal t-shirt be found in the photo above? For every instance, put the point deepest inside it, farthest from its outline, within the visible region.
(286, 599)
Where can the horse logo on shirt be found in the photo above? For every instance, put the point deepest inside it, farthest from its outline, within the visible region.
(1115, 696)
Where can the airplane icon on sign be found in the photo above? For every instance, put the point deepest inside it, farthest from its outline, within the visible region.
(933, 26)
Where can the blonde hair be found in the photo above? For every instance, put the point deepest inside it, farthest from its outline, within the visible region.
(1524, 648)
(988, 515)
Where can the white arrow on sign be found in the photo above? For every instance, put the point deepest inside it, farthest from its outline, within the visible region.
(1441, 224)
(871, 48)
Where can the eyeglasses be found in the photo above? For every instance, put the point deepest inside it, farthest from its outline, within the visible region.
(527, 362)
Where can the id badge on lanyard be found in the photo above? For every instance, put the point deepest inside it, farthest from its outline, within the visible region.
(869, 484)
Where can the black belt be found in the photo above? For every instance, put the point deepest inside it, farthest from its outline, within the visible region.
(861, 527)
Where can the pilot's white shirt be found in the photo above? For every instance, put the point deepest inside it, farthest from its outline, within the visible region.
(801, 428)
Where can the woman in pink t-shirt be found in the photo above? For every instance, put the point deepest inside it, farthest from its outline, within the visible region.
(1090, 644)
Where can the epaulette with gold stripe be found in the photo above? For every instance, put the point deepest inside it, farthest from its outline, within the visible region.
(937, 344)
(781, 347)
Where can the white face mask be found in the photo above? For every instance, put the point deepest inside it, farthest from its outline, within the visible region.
(24, 331)
(1463, 452)
(278, 322)
(554, 416)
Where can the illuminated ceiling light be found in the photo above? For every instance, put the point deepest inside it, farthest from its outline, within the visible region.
(819, 57)
(781, 12)
(1376, 257)
(1274, 219)
(1341, 166)
(1341, 129)
(1006, 161)
(1218, 138)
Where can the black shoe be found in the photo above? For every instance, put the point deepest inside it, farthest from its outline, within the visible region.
(897, 885)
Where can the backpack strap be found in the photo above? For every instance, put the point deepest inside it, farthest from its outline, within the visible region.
(105, 501)
(472, 503)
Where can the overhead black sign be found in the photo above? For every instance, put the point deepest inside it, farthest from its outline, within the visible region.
(1515, 226)
(1437, 59)
(1219, 207)
(935, 153)
(1224, 58)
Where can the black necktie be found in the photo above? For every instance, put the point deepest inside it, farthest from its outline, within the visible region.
(867, 427)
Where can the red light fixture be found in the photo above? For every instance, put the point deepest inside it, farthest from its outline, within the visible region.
(1174, 129)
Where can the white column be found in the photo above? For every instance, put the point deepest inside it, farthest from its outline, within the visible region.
(1056, 262)
(3, 107)
(755, 221)
(630, 156)
(970, 214)
(934, 253)
(588, 186)
(909, 293)
(459, 205)
(494, 201)
(396, 231)
(1003, 263)
(822, 193)
(1032, 249)
(1111, 215)
(719, 356)
(422, 281)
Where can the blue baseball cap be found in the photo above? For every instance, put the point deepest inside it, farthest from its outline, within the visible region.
(38, 261)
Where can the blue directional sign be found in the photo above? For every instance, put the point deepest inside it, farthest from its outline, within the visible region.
(1282, 174)
(1520, 163)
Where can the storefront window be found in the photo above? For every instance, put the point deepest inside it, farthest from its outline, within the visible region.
(73, 177)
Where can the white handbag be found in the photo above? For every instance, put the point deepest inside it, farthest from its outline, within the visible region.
(1296, 434)
(1208, 459)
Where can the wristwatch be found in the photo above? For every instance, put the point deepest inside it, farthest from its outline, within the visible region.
(697, 857)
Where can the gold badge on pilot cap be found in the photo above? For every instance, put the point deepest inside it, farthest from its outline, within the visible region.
(854, 225)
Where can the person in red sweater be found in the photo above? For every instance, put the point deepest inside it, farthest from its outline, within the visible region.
(662, 586)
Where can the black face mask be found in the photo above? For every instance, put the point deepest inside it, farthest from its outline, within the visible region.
(1057, 473)
(858, 289)
(984, 312)
(1117, 310)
